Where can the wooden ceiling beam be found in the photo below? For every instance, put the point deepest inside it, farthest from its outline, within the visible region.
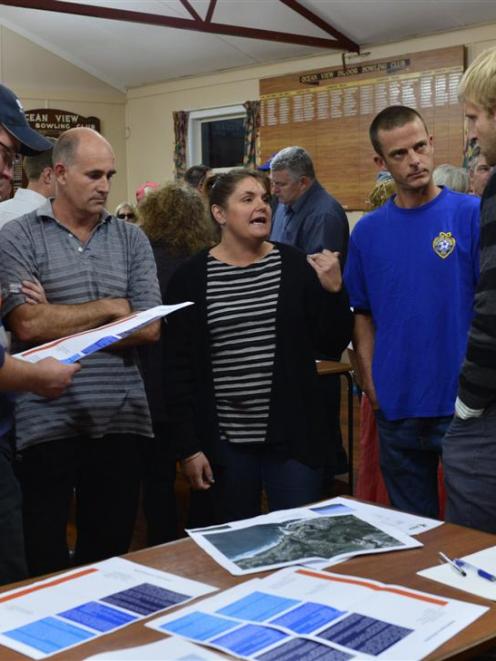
(196, 25)
(210, 11)
(191, 10)
(296, 6)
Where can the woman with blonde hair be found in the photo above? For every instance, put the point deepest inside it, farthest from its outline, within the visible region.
(173, 218)
(126, 211)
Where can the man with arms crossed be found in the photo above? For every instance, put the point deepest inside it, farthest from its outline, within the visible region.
(94, 269)
(411, 275)
(46, 379)
(469, 448)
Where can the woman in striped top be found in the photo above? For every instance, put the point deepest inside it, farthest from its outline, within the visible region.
(246, 412)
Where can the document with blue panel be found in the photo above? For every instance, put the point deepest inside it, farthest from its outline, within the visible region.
(73, 348)
(300, 613)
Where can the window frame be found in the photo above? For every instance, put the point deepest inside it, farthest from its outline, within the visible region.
(196, 119)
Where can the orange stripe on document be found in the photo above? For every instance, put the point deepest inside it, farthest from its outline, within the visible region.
(54, 343)
(377, 588)
(49, 584)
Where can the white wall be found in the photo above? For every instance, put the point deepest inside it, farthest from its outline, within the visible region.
(150, 142)
(44, 80)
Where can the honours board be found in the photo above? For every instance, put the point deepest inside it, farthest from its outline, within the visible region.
(329, 111)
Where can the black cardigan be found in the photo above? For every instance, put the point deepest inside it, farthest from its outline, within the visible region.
(309, 322)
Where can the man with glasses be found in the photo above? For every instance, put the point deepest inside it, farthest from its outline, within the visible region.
(47, 379)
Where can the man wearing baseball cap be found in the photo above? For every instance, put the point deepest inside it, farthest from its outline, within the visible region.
(48, 378)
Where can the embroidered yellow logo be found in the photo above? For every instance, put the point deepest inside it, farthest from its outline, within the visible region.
(444, 244)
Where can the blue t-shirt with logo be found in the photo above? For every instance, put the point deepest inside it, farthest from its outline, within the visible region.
(415, 271)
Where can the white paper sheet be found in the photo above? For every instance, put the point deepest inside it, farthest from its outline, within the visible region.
(161, 650)
(300, 613)
(289, 537)
(72, 348)
(485, 559)
(410, 524)
(66, 610)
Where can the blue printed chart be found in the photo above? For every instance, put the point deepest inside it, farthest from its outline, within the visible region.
(299, 613)
(69, 609)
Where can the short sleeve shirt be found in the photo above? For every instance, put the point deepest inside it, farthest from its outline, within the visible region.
(415, 271)
(107, 396)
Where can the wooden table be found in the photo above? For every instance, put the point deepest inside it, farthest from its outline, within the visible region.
(335, 368)
(184, 557)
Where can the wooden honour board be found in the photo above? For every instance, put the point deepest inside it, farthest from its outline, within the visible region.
(328, 112)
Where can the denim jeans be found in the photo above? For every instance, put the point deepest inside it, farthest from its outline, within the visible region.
(246, 470)
(469, 461)
(410, 450)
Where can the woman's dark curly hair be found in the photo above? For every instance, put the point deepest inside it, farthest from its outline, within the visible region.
(174, 214)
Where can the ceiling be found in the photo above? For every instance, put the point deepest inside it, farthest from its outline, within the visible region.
(128, 54)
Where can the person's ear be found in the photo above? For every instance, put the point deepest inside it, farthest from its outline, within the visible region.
(47, 175)
(219, 214)
(60, 172)
(380, 162)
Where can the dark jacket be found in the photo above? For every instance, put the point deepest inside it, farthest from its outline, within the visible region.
(309, 321)
(151, 355)
(477, 386)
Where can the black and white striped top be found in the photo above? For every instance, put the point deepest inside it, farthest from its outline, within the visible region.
(241, 313)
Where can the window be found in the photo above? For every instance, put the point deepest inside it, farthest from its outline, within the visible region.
(216, 137)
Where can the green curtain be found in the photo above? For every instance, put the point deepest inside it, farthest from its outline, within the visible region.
(252, 128)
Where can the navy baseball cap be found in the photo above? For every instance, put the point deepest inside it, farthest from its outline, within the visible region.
(14, 120)
(265, 167)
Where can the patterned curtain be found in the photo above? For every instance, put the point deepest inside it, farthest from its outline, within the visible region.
(181, 136)
(252, 128)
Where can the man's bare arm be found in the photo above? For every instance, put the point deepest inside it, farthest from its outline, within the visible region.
(44, 322)
(363, 343)
(146, 335)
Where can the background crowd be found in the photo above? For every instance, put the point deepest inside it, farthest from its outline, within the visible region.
(228, 388)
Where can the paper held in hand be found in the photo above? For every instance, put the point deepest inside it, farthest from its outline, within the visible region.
(72, 348)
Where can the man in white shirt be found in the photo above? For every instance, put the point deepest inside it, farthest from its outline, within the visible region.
(41, 185)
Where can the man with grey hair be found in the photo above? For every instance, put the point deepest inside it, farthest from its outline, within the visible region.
(453, 177)
(310, 219)
(469, 456)
(307, 216)
(41, 185)
(479, 172)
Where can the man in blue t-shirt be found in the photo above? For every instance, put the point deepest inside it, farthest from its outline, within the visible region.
(411, 274)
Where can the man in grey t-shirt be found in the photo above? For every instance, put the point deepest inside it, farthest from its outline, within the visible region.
(94, 269)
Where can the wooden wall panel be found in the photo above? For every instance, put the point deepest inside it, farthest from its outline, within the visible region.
(329, 112)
